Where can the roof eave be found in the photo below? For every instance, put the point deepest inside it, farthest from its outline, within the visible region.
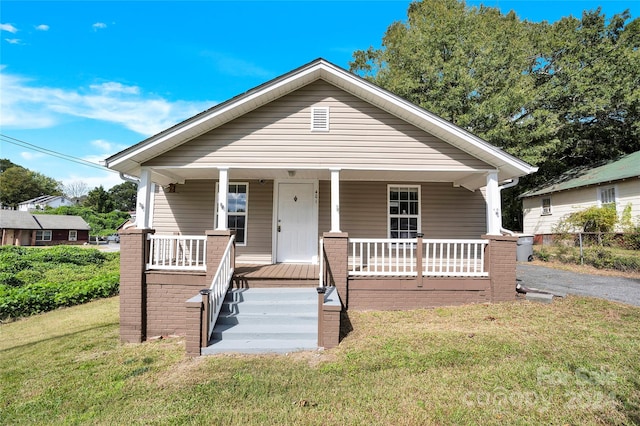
(129, 160)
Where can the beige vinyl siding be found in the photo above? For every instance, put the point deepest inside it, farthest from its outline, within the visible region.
(570, 201)
(189, 211)
(446, 211)
(278, 135)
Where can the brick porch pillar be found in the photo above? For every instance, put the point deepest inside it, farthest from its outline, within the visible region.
(134, 249)
(336, 249)
(501, 262)
(217, 242)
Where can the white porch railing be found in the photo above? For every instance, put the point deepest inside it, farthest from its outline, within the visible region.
(220, 284)
(397, 257)
(177, 252)
(454, 258)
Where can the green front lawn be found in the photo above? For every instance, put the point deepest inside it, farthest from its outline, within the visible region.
(576, 361)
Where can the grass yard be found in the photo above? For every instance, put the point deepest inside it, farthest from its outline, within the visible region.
(576, 361)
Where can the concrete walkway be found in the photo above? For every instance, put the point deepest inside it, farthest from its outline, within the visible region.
(560, 282)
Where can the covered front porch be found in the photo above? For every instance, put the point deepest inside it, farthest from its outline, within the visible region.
(162, 271)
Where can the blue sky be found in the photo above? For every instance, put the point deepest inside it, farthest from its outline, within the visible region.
(88, 78)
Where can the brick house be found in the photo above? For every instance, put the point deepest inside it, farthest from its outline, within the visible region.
(21, 228)
(317, 178)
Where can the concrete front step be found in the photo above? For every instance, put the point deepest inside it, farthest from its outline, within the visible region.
(272, 294)
(265, 330)
(259, 346)
(230, 318)
(262, 320)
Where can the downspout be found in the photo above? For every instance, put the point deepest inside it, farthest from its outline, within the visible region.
(509, 184)
(132, 180)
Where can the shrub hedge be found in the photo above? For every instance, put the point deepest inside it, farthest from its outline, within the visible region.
(35, 280)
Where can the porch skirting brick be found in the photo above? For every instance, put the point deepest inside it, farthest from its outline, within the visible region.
(166, 296)
(401, 294)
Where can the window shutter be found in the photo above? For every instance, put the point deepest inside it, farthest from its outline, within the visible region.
(320, 119)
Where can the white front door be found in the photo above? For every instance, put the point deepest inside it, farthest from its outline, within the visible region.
(296, 223)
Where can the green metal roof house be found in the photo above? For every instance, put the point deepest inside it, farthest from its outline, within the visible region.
(616, 182)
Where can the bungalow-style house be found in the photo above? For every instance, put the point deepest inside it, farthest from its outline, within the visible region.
(44, 201)
(316, 179)
(26, 229)
(616, 183)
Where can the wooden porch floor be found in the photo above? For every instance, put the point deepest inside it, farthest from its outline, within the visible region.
(283, 274)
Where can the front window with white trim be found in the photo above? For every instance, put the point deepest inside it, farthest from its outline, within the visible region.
(237, 207)
(73, 235)
(607, 196)
(404, 211)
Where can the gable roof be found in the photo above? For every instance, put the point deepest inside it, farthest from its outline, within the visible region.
(15, 219)
(129, 160)
(43, 199)
(54, 221)
(625, 167)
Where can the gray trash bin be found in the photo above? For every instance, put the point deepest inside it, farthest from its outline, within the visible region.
(524, 252)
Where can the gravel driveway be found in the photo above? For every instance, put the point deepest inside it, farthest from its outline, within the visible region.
(560, 282)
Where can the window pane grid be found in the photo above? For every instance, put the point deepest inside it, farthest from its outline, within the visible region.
(404, 212)
(237, 210)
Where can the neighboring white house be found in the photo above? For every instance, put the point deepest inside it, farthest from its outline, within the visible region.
(616, 183)
(40, 203)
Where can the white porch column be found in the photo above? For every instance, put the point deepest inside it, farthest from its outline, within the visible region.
(223, 192)
(494, 210)
(143, 200)
(335, 200)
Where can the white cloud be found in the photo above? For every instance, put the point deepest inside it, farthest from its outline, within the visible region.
(26, 105)
(31, 156)
(42, 27)
(113, 87)
(13, 40)
(8, 27)
(99, 26)
(107, 149)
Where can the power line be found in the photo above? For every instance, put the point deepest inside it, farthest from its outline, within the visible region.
(24, 144)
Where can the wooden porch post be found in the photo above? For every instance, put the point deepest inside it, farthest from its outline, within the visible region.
(494, 210)
(335, 200)
(419, 267)
(143, 200)
(223, 193)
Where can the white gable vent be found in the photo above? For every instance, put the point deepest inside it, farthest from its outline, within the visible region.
(320, 119)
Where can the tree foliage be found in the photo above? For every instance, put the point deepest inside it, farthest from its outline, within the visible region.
(18, 184)
(124, 196)
(557, 95)
(101, 223)
(99, 200)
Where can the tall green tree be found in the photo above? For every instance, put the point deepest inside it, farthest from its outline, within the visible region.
(124, 196)
(556, 95)
(18, 184)
(99, 200)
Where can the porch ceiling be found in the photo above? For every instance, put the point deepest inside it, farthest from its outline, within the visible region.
(470, 179)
